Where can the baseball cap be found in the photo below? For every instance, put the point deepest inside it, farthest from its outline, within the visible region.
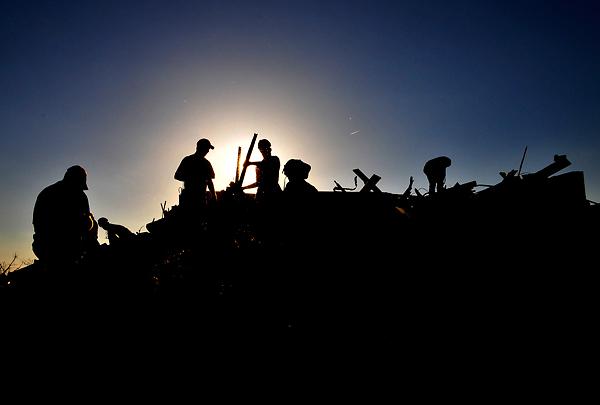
(76, 175)
(204, 143)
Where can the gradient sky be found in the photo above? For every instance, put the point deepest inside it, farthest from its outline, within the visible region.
(126, 89)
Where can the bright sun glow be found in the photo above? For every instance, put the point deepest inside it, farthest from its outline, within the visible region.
(224, 161)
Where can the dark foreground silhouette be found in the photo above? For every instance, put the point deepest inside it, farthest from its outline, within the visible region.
(503, 270)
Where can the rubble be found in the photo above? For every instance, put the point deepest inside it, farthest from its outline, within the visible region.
(345, 260)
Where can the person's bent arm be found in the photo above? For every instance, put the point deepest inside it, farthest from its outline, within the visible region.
(255, 184)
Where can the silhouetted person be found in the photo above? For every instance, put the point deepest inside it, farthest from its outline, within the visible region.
(435, 170)
(116, 233)
(297, 172)
(267, 172)
(64, 228)
(197, 175)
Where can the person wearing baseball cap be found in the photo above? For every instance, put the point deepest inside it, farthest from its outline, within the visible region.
(204, 144)
(63, 225)
(197, 174)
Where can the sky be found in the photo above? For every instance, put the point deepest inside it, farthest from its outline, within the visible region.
(126, 88)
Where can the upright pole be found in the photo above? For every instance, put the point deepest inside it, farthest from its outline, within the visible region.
(241, 179)
(522, 159)
(237, 168)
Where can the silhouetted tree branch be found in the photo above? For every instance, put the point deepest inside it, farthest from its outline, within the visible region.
(6, 268)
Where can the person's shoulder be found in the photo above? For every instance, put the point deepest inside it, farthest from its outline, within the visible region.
(52, 188)
(307, 187)
(186, 161)
(204, 161)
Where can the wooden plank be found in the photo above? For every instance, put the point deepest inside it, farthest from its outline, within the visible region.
(370, 183)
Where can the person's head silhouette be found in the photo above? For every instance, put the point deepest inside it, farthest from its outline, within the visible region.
(76, 177)
(103, 222)
(203, 146)
(296, 169)
(264, 146)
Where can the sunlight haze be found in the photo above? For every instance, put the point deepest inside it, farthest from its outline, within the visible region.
(127, 89)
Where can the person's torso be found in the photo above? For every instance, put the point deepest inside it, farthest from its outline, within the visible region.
(196, 171)
(60, 210)
(267, 174)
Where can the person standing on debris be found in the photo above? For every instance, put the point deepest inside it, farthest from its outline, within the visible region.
(267, 172)
(297, 172)
(64, 227)
(197, 174)
(435, 170)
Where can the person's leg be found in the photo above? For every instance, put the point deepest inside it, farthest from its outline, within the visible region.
(431, 185)
(440, 185)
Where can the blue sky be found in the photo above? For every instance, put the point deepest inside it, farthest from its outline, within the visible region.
(127, 88)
